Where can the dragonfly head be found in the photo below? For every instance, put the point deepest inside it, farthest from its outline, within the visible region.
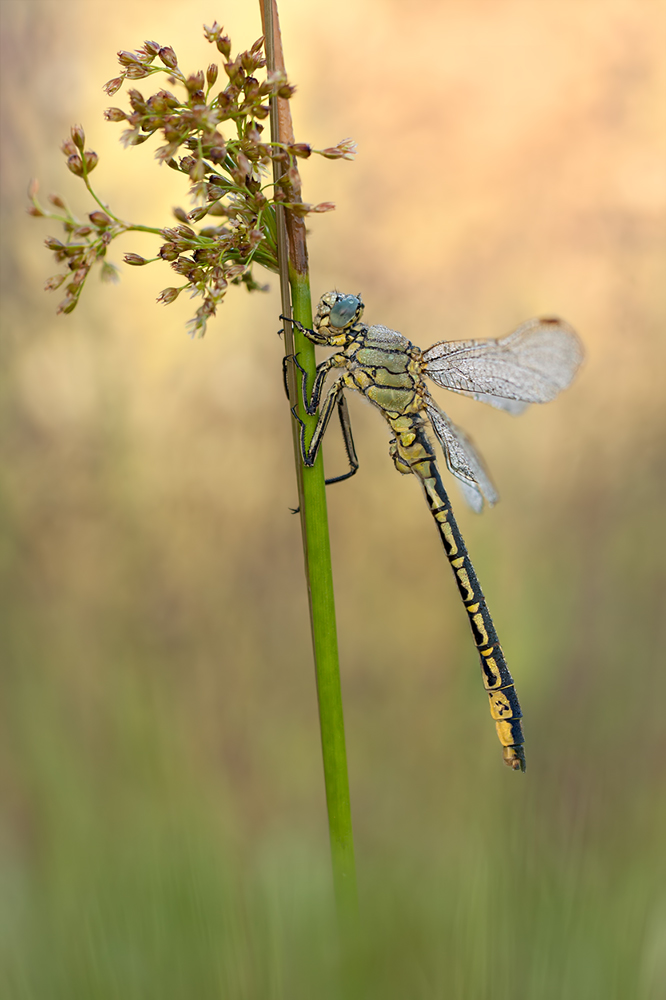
(336, 315)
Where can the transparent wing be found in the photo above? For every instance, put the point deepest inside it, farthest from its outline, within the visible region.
(531, 365)
(462, 459)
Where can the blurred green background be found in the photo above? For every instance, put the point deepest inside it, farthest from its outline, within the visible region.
(162, 825)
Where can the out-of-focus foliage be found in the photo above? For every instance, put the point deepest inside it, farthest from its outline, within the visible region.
(162, 830)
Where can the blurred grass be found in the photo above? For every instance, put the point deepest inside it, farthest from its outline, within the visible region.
(162, 830)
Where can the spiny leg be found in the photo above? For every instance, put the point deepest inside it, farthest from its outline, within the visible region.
(310, 452)
(345, 424)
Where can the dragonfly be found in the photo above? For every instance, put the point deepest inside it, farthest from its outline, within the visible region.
(533, 364)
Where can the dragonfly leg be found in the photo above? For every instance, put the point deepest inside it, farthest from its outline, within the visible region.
(285, 362)
(310, 452)
(305, 330)
(345, 424)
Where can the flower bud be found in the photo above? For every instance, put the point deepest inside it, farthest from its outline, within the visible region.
(56, 200)
(211, 74)
(115, 115)
(126, 58)
(136, 72)
(223, 43)
(134, 258)
(152, 48)
(301, 149)
(91, 158)
(75, 164)
(100, 219)
(168, 251)
(198, 213)
(33, 210)
(78, 136)
(180, 214)
(68, 147)
(112, 86)
(168, 295)
(168, 57)
(67, 305)
(194, 82)
(54, 282)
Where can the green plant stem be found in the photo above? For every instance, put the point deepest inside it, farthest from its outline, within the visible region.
(314, 518)
(319, 576)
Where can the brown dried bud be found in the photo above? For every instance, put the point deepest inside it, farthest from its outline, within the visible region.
(135, 259)
(53, 244)
(152, 48)
(137, 101)
(301, 149)
(56, 200)
(68, 147)
(323, 206)
(54, 282)
(115, 115)
(168, 296)
(168, 57)
(168, 251)
(194, 82)
(100, 219)
(223, 43)
(78, 136)
(127, 58)
(33, 210)
(211, 74)
(257, 46)
(346, 150)
(180, 214)
(198, 213)
(67, 305)
(91, 158)
(112, 86)
(136, 72)
(75, 164)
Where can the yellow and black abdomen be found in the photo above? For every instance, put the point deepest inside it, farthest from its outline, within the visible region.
(412, 451)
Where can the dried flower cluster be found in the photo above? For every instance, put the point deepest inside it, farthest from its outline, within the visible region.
(230, 176)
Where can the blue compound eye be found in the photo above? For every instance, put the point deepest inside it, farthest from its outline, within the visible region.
(344, 311)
